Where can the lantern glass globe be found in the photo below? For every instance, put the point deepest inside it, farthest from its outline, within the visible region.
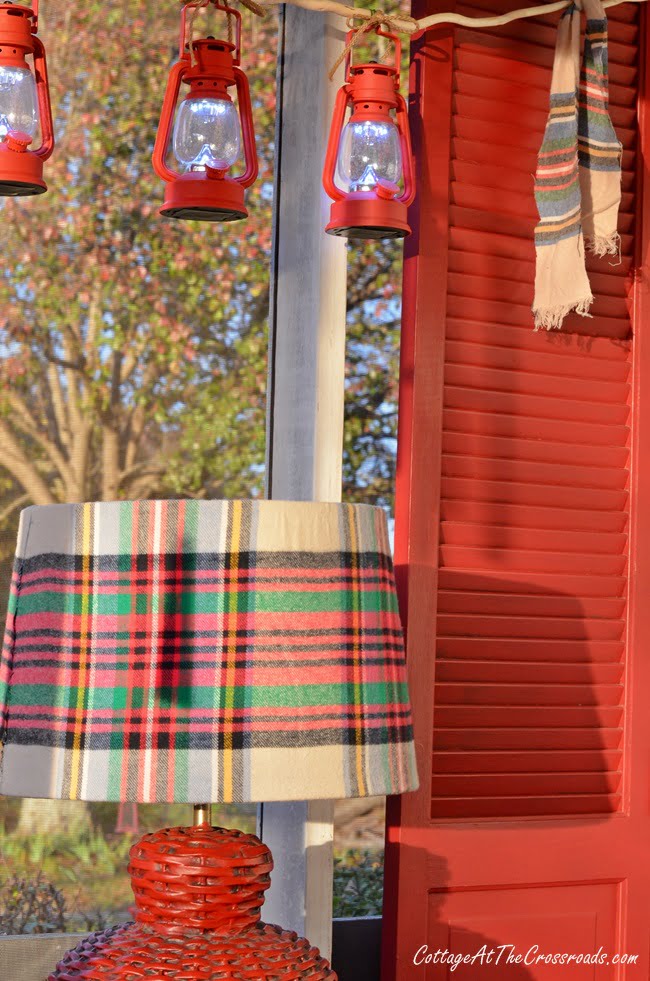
(206, 134)
(18, 102)
(370, 153)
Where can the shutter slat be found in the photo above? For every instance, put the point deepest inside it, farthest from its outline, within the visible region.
(472, 717)
(499, 113)
(532, 672)
(524, 81)
(510, 225)
(505, 348)
(515, 138)
(556, 585)
(526, 402)
(538, 697)
(525, 54)
(529, 604)
(510, 424)
(532, 579)
(500, 807)
(542, 762)
(538, 561)
(493, 288)
(511, 625)
(537, 382)
(472, 85)
(518, 315)
(528, 738)
(525, 648)
(488, 444)
(508, 269)
(538, 495)
(516, 425)
(524, 784)
(471, 534)
(533, 472)
(517, 166)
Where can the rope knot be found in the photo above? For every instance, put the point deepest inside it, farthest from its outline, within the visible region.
(378, 18)
(252, 5)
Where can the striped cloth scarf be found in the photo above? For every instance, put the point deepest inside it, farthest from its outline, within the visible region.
(578, 179)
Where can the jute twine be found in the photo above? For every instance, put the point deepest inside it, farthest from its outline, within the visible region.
(252, 5)
(378, 19)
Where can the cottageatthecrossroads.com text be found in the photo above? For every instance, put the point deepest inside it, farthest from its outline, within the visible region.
(508, 954)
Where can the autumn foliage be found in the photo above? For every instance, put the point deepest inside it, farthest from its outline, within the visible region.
(133, 348)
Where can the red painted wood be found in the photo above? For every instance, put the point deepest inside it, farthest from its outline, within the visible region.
(521, 485)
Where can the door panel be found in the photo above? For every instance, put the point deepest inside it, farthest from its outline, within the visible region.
(521, 537)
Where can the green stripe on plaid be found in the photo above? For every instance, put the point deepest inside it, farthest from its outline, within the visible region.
(157, 649)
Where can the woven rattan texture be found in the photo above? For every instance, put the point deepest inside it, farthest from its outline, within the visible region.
(133, 953)
(201, 878)
(198, 896)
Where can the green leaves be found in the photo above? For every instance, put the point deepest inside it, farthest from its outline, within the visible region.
(119, 322)
(358, 883)
(134, 347)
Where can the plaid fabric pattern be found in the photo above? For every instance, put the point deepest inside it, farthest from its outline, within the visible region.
(204, 651)
(577, 184)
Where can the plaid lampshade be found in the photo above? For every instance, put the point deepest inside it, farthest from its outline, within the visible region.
(204, 651)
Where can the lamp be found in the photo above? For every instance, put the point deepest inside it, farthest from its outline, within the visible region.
(24, 102)
(369, 156)
(192, 651)
(206, 132)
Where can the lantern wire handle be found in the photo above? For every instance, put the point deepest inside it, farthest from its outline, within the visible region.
(252, 5)
(376, 22)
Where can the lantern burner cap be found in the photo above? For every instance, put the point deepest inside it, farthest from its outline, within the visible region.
(203, 213)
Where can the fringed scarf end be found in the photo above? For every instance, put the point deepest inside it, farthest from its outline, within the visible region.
(605, 245)
(551, 318)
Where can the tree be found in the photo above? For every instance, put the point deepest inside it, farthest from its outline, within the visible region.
(133, 345)
(370, 433)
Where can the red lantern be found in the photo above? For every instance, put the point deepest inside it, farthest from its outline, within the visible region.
(24, 103)
(369, 165)
(206, 128)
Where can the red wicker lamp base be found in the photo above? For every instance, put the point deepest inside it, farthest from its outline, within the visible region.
(198, 894)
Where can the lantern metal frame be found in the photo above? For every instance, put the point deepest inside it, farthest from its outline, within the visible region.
(372, 91)
(210, 67)
(21, 169)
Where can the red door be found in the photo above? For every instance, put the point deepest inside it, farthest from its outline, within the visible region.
(522, 542)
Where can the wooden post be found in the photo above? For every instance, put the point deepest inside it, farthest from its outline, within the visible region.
(305, 400)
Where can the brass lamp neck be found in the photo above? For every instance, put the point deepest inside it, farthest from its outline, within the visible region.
(202, 814)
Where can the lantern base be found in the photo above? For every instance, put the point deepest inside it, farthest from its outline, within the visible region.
(198, 894)
(197, 197)
(21, 173)
(363, 215)
(20, 189)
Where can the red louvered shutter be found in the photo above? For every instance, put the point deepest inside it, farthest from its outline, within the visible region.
(521, 484)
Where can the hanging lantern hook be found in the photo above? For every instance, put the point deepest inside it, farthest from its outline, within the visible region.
(186, 45)
(376, 23)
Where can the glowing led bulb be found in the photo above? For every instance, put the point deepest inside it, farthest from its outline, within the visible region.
(18, 104)
(369, 154)
(206, 134)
